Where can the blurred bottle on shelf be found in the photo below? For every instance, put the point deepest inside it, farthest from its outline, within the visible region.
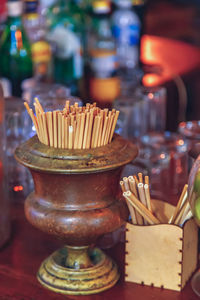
(77, 7)
(41, 50)
(80, 11)
(15, 49)
(65, 33)
(104, 84)
(44, 4)
(126, 27)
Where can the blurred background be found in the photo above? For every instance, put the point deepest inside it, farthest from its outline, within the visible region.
(141, 57)
(138, 37)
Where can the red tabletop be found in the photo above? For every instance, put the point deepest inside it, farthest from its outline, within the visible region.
(28, 247)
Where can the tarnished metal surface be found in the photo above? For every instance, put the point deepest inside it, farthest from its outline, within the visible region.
(76, 199)
(54, 275)
(38, 156)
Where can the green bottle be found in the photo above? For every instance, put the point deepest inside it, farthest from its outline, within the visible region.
(65, 36)
(15, 49)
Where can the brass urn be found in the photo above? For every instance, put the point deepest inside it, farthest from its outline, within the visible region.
(76, 200)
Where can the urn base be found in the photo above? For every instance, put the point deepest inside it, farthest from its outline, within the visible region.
(98, 274)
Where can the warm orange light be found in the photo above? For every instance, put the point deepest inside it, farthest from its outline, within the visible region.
(171, 56)
(150, 95)
(178, 170)
(18, 188)
(151, 80)
(18, 36)
(162, 155)
(180, 142)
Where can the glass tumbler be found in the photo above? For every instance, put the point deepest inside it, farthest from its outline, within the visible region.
(163, 156)
(190, 130)
(18, 129)
(4, 199)
(141, 112)
(52, 96)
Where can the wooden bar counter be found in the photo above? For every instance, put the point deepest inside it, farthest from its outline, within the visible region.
(21, 257)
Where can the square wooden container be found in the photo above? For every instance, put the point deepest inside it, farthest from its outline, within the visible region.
(161, 255)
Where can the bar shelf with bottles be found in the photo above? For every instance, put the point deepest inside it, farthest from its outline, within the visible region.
(84, 45)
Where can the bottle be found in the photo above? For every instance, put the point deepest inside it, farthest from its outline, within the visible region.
(65, 36)
(104, 83)
(78, 9)
(15, 50)
(41, 50)
(126, 30)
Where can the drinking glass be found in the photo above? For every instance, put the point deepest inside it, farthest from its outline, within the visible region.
(142, 111)
(52, 96)
(18, 129)
(163, 156)
(190, 130)
(4, 202)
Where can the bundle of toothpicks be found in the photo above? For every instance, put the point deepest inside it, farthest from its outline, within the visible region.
(74, 127)
(136, 191)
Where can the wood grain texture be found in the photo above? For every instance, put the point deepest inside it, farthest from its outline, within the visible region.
(162, 255)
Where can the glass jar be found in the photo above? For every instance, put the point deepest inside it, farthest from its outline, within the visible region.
(4, 200)
(190, 130)
(163, 156)
(142, 110)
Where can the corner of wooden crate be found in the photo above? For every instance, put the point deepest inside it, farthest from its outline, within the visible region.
(190, 250)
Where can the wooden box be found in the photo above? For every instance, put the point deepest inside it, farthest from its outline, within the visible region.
(161, 255)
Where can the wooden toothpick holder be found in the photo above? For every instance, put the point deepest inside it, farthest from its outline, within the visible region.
(163, 255)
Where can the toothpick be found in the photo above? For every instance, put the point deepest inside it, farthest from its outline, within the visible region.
(147, 196)
(125, 187)
(50, 127)
(86, 130)
(142, 196)
(133, 190)
(147, 215)
(82, 125)
(180, 213)
(179, 204)
(63, 133)
(70, 136)
(39, 105)
(114, 125)
(66, 125)
(140, 177)
(55, 129)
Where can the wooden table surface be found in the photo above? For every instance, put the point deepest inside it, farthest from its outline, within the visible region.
(28, 247)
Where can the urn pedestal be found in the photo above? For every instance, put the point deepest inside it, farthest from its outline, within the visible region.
(76, 200)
